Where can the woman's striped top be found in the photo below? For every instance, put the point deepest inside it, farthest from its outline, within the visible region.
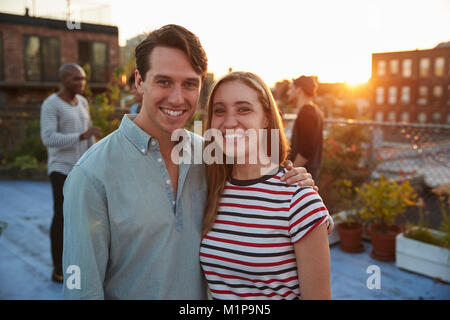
(61, 126)
(249, 252)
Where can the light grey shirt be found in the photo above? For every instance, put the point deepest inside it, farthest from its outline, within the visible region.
(61, 126)
(124, 229)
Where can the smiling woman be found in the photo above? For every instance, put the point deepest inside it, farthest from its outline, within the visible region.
(256, 228)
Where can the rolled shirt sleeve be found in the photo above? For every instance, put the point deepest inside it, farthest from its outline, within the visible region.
(86, 235)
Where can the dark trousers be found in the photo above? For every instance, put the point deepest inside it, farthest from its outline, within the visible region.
(56, 229)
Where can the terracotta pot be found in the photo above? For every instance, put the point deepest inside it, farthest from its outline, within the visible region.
(383, 242)
(350, 235)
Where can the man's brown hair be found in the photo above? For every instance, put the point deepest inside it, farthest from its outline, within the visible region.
(172, 36)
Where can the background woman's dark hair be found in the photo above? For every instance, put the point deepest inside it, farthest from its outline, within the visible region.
(172, 36)
(309, 85)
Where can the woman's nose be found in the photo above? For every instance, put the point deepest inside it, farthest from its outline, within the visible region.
(230, 121)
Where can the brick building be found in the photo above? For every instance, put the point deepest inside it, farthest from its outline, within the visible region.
(412, 86)
(32, 49)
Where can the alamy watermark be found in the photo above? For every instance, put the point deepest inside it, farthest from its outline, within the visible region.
(73, 21)
(374, 281)
(230, 147)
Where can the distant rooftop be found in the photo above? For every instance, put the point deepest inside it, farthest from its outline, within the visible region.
(55, 24)
(443, 44)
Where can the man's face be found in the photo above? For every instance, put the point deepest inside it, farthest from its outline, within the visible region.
(170, 91)
(75, 80)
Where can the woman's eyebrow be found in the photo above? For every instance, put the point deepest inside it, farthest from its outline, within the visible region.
(219, 103)
(243, 102)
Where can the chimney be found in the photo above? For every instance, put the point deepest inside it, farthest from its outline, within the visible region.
(27, 12)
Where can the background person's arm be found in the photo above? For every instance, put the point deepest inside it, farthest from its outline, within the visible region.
(49, 129)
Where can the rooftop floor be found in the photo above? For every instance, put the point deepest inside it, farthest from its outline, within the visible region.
(25, 260)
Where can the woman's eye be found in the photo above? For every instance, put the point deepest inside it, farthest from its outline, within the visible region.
(219, 111)
(244, 109)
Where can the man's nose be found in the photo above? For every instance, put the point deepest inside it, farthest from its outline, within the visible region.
(176, 96)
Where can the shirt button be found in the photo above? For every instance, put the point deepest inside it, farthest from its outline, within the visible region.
(159, 159)
(143, 150)
(168, 181)
(173, 202)
(153, 142)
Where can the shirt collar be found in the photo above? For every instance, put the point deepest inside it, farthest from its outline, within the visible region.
(138, 137)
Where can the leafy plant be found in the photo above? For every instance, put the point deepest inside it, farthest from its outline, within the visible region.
(383, 200)
(347, 195)
(443, 193)
(421, 232)
(345, 159)
(23, 162)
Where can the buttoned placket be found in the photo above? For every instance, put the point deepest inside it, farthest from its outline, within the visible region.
(155, 154)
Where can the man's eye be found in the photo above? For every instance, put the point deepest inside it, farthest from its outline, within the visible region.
(163, 83)
(191, 84)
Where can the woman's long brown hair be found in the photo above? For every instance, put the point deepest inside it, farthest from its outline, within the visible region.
(218, 174)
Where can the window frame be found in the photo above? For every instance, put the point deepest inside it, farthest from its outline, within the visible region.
(42, 77)
(91, 56)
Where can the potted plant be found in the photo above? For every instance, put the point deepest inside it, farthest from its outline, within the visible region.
(349, 226)
(381, 202)
(426, 251)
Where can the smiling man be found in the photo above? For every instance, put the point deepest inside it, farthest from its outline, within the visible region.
(132, 217)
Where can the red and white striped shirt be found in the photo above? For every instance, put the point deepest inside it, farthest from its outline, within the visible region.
(249, 252)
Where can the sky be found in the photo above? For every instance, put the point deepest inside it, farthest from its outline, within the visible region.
(277, 39)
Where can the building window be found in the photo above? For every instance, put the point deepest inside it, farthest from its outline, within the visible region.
(406, 95)
(404, 117)
(437, 93)
(439, 66)
(436, 117)
(424, 67)
(93, 56)
(379, 116)
(422, 117)
(393, 67)
(407, 68)
(42, 56)
(391, 116)
(381, 68)
(392, 99)
(422, 96)
(380, 95)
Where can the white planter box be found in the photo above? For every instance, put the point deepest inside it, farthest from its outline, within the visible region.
(423, 258)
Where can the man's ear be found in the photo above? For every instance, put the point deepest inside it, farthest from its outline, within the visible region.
(138, 82)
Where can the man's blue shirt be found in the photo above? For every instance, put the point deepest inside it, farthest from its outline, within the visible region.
(124, 228)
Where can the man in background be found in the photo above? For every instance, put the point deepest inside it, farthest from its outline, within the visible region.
(67, 132)
(307, 134)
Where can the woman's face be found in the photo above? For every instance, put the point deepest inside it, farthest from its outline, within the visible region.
(237, 114)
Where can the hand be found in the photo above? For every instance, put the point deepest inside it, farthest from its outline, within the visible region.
(92, 131)
(298, 175)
